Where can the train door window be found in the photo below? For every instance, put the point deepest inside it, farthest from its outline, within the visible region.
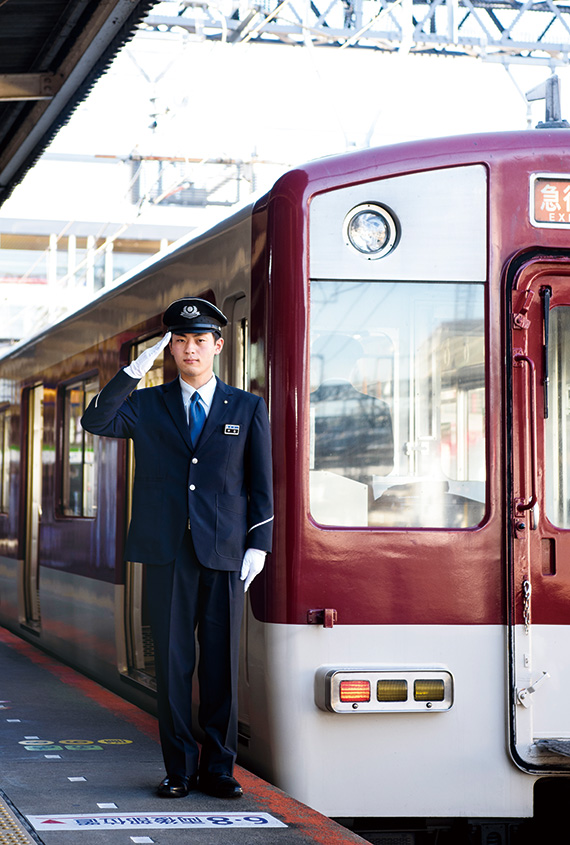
(4, 459)
(79, 479)
(557, 439)
(397, 404)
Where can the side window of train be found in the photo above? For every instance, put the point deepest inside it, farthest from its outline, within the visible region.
(397, 404)
(79, 471)
(4, 459)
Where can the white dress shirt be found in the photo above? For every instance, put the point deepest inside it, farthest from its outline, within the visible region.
(206, 393)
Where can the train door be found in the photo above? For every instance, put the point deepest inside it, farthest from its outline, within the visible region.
(29, 597)
(138, 640)
(236, 362)
(539, 547)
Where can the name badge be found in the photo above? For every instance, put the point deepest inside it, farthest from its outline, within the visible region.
(231, 429)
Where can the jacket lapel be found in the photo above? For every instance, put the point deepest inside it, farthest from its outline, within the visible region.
(221, 404)
(172, 395)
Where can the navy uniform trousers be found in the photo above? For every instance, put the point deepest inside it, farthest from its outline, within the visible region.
(187, 596)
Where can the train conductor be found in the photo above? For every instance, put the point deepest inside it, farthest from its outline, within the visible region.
(202, 517)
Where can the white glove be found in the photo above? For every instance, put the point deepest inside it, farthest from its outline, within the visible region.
(253, 563)
(140, 366)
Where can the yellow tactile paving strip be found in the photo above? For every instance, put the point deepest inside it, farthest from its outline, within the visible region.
(12, 831)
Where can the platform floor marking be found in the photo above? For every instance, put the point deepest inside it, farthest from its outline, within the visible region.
(154, 821)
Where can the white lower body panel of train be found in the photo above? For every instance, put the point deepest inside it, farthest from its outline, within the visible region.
(415, 761)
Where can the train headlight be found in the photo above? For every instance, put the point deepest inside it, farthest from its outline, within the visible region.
(371, 230)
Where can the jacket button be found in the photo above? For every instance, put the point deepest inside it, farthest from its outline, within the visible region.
(192, 487)
(194, 460)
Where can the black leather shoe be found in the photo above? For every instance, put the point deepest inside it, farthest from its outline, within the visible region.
(177, 786)
(220, 786)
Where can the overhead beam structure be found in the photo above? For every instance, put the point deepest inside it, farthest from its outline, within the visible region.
(27, 86)
(507, 31)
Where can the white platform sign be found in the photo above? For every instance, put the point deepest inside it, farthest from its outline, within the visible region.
(154, 821)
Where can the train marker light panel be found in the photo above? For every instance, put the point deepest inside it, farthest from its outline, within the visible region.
(373, 690)
(371, 230)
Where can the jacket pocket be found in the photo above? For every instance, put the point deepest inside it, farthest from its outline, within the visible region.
(231, 525)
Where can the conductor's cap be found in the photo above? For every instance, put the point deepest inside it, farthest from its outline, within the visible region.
(194, 315)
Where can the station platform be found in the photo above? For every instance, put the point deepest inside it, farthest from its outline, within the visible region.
(80, 766)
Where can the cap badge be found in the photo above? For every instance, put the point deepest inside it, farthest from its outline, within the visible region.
(190, 312)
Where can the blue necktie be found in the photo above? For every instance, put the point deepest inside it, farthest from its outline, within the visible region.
(197, 418)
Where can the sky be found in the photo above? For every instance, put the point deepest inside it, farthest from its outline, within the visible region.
(290, 102)
(170, 95)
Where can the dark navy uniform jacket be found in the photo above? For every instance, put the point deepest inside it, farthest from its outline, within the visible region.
(224, 486)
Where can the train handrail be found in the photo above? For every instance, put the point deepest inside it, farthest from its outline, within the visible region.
(523, 505)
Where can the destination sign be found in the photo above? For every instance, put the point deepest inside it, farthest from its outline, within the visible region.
(550, 200)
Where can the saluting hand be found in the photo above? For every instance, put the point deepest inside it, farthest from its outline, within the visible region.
(142, 364)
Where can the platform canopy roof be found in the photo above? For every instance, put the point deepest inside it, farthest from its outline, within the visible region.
(51, 54)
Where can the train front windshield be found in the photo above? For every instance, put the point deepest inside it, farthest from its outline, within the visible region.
(397, 410)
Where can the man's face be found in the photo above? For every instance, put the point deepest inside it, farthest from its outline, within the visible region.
(194, 356)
